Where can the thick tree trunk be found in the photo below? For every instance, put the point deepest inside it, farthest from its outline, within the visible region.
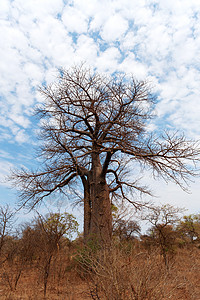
(97, 207)
(87, 209)
(101, 217)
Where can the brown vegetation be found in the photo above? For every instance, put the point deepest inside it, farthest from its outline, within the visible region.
(123, 272)
(40, 262)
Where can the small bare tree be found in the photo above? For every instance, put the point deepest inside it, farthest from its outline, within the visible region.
(47, 235)
(124, 225)
(163, 220)
(6, 223)
(14, 263)
(94, 131)
(6, 239)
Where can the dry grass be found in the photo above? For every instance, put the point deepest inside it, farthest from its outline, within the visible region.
(116, 273)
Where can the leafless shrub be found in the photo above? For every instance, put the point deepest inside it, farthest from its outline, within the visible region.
(114, 275)
(15, 262)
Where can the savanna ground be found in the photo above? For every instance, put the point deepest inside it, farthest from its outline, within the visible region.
(128, 270)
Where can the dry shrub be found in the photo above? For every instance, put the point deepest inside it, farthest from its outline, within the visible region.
(186, 270)
(114, 275)
(125, 271)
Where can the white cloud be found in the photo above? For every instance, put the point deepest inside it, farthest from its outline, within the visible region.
(5, 168)
(88, 7)
(37, 8)
(4, 154)
(139, 13)
(130, 65)
(20, 120)
(4, 8)
(33, 73)
(74, 20)
(129, 41)
(5, 136)
(108, 60)
(50, 76)
(188, 51)
(114, 28)
(161, 40)
(97, 21)
(21, 137)
(86, 50)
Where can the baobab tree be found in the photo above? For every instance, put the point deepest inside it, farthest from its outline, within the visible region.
(94, 128)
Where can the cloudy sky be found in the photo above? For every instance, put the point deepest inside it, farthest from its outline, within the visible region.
(154, 40)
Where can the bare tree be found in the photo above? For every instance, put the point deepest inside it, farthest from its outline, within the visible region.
(50, 230)
(42, 240)
(6, 222)
(124, 225)
(163, 220)
(94, 129)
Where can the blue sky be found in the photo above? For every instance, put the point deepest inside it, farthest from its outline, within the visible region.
(154, 40)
